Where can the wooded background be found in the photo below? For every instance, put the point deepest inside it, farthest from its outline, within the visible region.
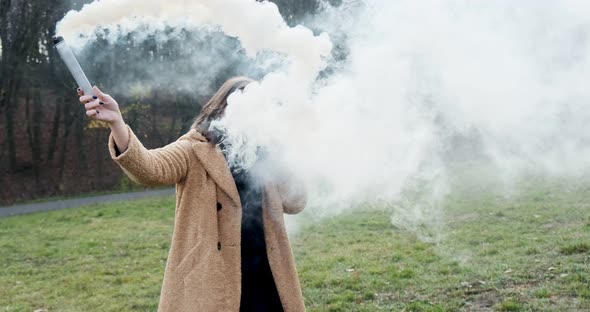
(48, 147)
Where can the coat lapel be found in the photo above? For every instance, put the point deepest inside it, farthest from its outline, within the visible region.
(216, 166)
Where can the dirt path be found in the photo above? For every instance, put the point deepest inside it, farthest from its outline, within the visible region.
(77, 202)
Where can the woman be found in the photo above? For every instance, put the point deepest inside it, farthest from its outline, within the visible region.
(230, 250)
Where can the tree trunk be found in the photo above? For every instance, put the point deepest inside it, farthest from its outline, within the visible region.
(59, 103)
(33, 127)
(64, 147)
(173, 124)
(10, 139)
(99, 159)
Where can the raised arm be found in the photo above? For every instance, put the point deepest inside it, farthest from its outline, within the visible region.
(162, 166)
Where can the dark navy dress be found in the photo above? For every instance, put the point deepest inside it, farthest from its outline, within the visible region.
(259, 292)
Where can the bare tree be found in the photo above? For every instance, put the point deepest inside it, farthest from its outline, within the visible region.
(47, 146)
(19, 32)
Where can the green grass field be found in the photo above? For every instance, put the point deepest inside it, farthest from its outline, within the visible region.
(526, 252)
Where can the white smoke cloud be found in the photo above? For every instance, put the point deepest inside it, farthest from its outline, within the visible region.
(258, 25)
(423, 83)
(510, 79)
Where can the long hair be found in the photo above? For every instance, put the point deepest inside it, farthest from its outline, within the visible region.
(215, 108)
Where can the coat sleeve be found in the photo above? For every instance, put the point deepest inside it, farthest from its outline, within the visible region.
(163, 166)
(293, 193)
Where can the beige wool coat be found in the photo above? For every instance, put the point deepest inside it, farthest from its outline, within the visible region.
(203, 271)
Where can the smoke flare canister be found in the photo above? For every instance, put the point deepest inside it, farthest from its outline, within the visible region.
(74, 67)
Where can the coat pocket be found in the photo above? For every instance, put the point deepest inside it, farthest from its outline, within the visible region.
(205, 284)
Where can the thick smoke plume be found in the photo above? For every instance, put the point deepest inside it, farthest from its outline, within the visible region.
(423, 87)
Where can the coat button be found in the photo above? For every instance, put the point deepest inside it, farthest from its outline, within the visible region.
(219, 206)
(219, 246)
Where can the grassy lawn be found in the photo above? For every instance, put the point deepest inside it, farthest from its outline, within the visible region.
(526, 252)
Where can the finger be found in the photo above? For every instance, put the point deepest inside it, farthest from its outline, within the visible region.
(92, 113)
(92, 105)
(102, 96)
(86, 98)
(80, 92)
